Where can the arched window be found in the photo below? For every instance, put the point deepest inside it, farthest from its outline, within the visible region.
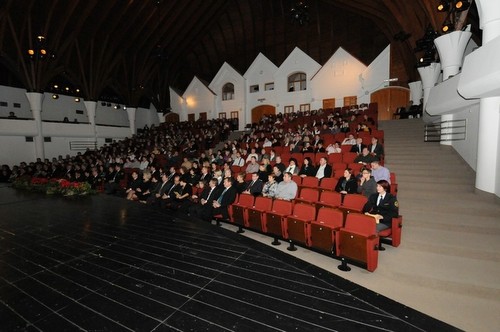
(297, 82)
(228, 91)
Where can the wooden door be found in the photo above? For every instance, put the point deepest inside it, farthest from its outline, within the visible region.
(329, 103)
(203, 116)
(172, 117)
(191, 117)
(259, 111)
(350, 100)
(389, 99)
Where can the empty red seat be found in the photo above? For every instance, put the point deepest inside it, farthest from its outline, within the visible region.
(327, 184)
(308, 196)
(274, 220)
(310, 182)
(331, 199)
(358, 240)
(334, 158)
(296, 224)
(238, 210)
(256, 214)
(354, 202)
(348, 157)
(321, 231)
(297, 179)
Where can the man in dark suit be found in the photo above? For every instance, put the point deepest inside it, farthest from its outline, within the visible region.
(358, 147)
(323, 170)
(164, 185)
(254, 186)
(375, 148)
(203, 209)
(226, 198)
(113, 184)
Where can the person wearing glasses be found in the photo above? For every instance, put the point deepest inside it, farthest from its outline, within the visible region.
(367, 185)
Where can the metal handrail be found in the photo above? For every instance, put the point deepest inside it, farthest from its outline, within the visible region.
(450, 130)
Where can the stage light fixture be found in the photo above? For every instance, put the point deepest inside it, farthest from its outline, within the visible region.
(443, 6)
(55, 96)
(460, 5)
(447, 27)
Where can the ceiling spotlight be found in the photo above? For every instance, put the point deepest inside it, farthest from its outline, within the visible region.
(462, 5)
(31, 52)
(66, 88)
(116, 106)
(447, 27)
(56, 86)
(443, 6)
(77, 90)
(55, 96)
(77, 99)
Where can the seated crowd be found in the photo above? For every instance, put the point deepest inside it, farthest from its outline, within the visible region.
(174, 166)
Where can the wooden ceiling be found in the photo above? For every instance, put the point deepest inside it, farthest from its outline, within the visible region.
(137, 48)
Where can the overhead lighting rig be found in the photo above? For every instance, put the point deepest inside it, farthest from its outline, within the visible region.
(454, 8)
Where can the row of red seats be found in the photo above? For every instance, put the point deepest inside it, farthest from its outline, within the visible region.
(341, 231)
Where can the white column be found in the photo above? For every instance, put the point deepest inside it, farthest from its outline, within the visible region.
(451, 48)
(429, 76)
(476, 83)
(161, 117)
(488, 157)
(35, 99)
(131, 118)
(91, 107)
(416, 92)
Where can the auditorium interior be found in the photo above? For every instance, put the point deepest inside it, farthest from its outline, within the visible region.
(94, 93)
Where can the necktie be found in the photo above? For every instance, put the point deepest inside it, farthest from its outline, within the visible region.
(209, 194)
(171, 188)
(380, 198)
(219, 200)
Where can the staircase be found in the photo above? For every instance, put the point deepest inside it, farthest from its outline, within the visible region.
(450, 251)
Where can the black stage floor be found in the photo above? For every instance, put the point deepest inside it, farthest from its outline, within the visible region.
(102, 263)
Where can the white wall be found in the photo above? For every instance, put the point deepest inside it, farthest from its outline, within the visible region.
(468, 148)
(228, 74)
(260, 72)
(374, 75)
(14, 149)
(12, 96)
(198, 99)
(339, 77)
(176, 104)
(297, 61)
(145, 116)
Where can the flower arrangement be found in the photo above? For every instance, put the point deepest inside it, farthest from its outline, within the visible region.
(53, 186)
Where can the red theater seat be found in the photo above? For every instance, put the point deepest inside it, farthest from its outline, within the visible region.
(329, 199)
(393, 233)
(321, 232)
(238, 210)
(274, 221)
(358, 240)
(308, 196)
(256, 214)
(296, 224)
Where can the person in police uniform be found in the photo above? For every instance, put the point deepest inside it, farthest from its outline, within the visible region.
(383, 205)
